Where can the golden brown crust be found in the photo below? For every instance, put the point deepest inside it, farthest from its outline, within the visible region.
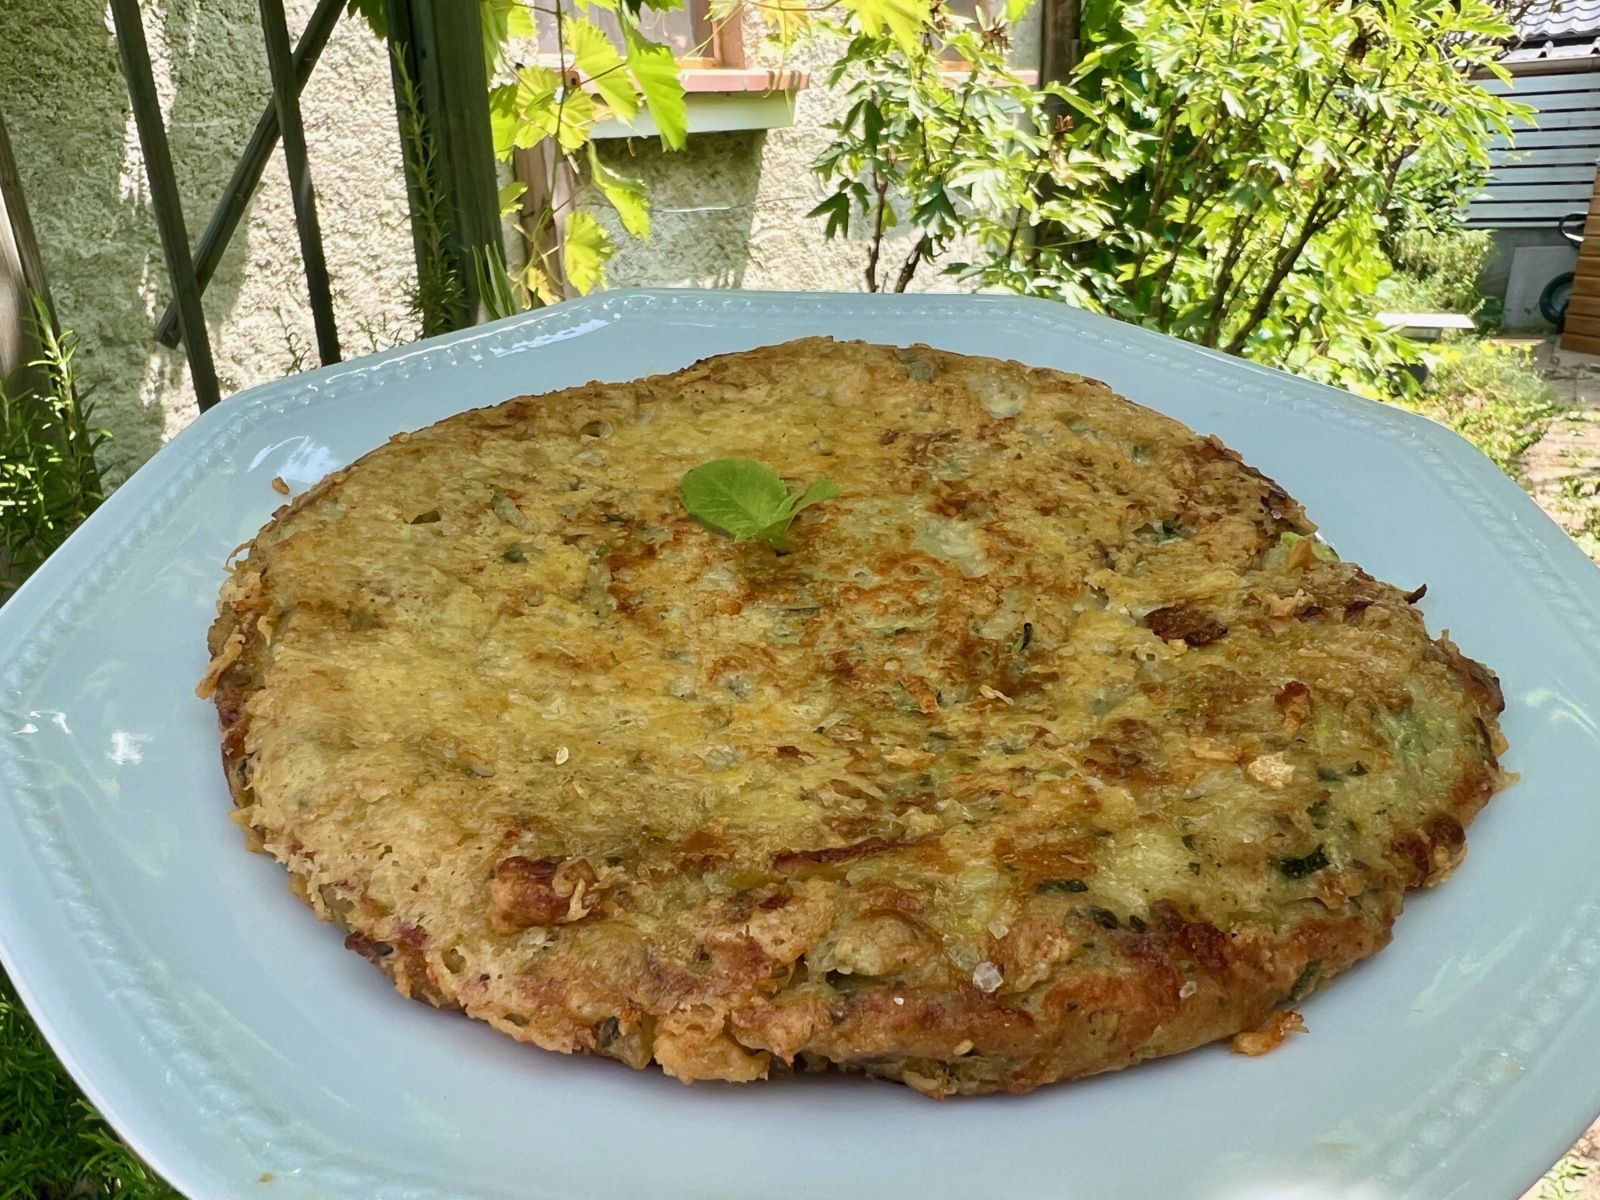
(1054, 746)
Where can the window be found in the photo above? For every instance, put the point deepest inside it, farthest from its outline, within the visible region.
(976, 11)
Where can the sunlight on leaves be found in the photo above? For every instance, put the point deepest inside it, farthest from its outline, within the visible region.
(655, 73)
(509, 197)
(597, 60)
(903, 20)
(586, 248)
(626, 195)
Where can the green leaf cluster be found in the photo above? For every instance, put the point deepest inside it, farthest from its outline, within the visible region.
(938, 133)
(1491, 394)
(592, 79)
(741, 497)
(1235, 172)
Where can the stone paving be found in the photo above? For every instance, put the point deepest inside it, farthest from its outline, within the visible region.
(1562, 470)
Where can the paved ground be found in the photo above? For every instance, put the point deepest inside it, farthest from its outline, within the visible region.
(1563, 468)
(1563, 471)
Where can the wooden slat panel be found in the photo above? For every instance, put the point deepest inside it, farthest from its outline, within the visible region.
(1561, 102)
(1582, 329)
(1524, 214)
(1586, 287)
(1560, 120)
(1575, 198)
(1564, 200)
(1534, 156)
(1527, 139)
(1523, 85)
(1582, 343)
(1524, 173)
(1583, 306)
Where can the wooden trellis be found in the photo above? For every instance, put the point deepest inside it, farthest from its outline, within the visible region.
(437, 44)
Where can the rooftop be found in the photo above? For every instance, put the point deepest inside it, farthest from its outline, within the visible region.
(1559, 20)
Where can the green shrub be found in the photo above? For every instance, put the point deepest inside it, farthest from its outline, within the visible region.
(1491, 394)
(1438, 270)
(1231, 173)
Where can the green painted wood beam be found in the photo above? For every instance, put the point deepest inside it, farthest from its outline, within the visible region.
(439, 45)
(164, 197)
(286, 98)
(252, 163)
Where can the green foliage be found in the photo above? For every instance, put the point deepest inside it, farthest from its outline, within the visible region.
(900, 21)
(502, 21)
(1274, 142)
(439, 294)
(495, 288)
(53, 1146)
(561, 99)
(585, 250)
(591, 80)
(370, 11)
(1437, 270)
(1226, 172)
(741, 497)
(1491, 394)
(49, 481)
(934, 140)
(626, 195)
(595, 80)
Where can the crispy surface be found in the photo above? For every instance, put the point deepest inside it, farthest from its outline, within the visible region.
(1044, 752)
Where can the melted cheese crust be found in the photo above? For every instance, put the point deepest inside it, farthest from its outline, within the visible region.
(1044, 751)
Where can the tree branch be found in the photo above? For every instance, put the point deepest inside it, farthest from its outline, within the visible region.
(1316, 220)
(918, 253)
(881, 186)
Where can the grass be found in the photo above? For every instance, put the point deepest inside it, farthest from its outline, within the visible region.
(53, 1145)
(49, 480)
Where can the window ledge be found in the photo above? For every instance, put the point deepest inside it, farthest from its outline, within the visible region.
(722, 99)
(702, 80)
(957, 70)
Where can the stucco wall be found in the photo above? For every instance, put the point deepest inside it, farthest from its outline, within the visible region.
(62, 93)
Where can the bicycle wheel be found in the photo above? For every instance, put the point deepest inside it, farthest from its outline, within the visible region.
(1554, 299)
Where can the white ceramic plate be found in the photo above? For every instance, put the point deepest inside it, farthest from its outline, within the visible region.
(245, 1053)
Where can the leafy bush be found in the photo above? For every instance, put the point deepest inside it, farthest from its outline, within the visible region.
(1438, 270)
(936, 139)
(1491, 394)
(1225, 172)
